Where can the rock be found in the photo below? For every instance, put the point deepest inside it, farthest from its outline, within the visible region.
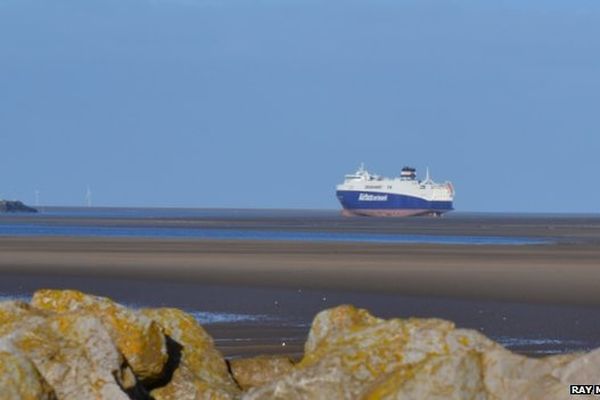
(20, 380)
(76, 356)
(510, 376)
(139, 339)
(351, 355)
(336, 321)
(13, 310)
(306, 384)
(71, 346)
(258, 371)
(15, 206)
(201, 371)
(580, 367)
(349, 352)
(185, 385)
(448, 377)
(17, 312)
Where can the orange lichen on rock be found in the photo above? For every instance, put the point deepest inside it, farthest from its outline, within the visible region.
(17, 313)
(257, 371)
(20, 380)
(202, 372)
(446, 377)
(76, 356)
(139, 338)
(349, 352)
(352, 356)
(68, 345)
(342, 319)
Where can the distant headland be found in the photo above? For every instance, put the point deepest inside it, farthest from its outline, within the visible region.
(15, 206)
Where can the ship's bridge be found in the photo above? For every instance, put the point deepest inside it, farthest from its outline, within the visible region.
(408, 174)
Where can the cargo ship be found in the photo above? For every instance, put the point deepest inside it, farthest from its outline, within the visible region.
(367, 194)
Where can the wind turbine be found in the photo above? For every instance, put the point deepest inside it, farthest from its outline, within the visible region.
(88, 196)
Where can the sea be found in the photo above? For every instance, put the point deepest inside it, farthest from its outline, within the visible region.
(283, 316)
(259, 224)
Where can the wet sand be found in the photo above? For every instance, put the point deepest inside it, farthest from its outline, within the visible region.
(539, 292)
(551, 274)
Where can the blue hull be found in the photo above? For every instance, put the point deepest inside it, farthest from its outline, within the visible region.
(373, 203)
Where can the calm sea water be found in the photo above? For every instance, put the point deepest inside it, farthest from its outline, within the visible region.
(268, 225)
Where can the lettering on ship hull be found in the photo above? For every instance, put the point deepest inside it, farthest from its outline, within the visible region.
(372, 197)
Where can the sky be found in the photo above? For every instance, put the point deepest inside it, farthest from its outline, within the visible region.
(248, 103)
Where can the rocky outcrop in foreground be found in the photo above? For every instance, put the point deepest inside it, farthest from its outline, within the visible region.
(69, 345)
(15, 206)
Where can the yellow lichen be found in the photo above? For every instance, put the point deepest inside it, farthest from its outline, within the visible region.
(139, 339)
(202, 368)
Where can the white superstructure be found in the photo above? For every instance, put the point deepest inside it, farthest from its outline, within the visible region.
(369, 194)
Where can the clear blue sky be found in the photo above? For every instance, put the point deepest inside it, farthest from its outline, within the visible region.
(245, 103)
